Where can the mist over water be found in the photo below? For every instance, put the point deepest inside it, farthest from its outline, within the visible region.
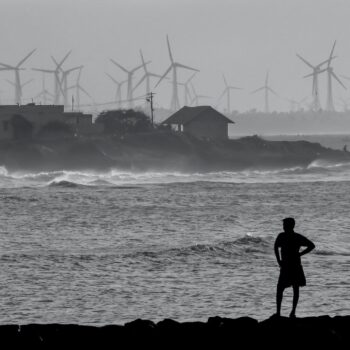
(99, 248)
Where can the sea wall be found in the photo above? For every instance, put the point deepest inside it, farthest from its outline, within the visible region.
(216, 333)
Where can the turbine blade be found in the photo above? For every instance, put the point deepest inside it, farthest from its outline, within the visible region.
(193, 90)
(143, 61)
(153, 75)
(114, 80)
(140, 82)
(338, 80)
(326, 61)
(274, 92)
(25, 58)
(64, 58)
(138, 67)
(85, 92)
(120, 66)
(309, 75)
(225, 80)
(234, 88)
(55, 62)
(331, 54)
(169, 49)
(79, 74)
(262, 88)
(220, 97)
(43, 70)
(306, 62)
(190, 78)
(73, 69)
(27, 82)
(7, 66)
(267, 79)
(10, 82)
(163, 76)
(185, 67)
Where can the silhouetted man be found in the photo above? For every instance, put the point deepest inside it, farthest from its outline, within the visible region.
(291, 273)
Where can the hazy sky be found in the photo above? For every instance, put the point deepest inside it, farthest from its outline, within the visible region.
(240, 38)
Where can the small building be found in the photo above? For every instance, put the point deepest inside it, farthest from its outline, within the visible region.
(203, 122)
(33, 118)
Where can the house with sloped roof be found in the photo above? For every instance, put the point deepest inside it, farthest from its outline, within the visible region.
(203, 122)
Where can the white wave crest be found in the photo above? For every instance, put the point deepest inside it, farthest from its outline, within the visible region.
(316, 171)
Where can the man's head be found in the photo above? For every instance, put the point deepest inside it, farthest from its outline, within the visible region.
(288, 224)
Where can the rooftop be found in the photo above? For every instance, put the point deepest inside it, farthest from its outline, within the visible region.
(188, 114)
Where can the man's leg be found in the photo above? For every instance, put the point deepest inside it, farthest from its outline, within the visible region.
(279, 297)
(295, 300)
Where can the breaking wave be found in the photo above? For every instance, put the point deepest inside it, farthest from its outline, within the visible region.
(319, 170)
(239, 248)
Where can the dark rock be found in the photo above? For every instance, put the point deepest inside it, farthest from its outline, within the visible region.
(218, 333)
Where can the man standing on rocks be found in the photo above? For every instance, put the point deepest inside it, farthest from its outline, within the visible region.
(287, 251)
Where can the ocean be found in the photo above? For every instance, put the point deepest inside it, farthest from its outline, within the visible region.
(103, 248)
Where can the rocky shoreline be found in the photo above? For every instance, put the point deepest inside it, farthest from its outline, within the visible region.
(162, 151)
(217, 332)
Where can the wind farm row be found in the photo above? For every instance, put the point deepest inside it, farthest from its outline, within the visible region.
(67, 88)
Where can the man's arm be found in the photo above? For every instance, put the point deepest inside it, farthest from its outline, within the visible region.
(308, 244)
(277, 253)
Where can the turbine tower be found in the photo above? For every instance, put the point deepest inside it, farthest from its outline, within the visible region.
(16, 69)
(118, 93)
(175, 104)
(266, 89)
(130, 73)
(316, 70)
(331, 75)
(146, 77)
(79, 88)
(226, 92)
(57, 81)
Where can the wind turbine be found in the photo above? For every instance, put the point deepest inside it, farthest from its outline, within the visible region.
(226, 92)
(196, 97)
(187, 94)
(57, 81)
(331, 75)
(16, 69)
(44, 93)
(21, 85)
(266, 89)
(316, 70)
(146, 77)
(118, 93)
(64, 80)
(130, 73)
(295, 105)
(79, 88)
(175, 104)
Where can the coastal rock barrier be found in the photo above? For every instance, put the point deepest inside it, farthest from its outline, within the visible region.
(217, 333)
